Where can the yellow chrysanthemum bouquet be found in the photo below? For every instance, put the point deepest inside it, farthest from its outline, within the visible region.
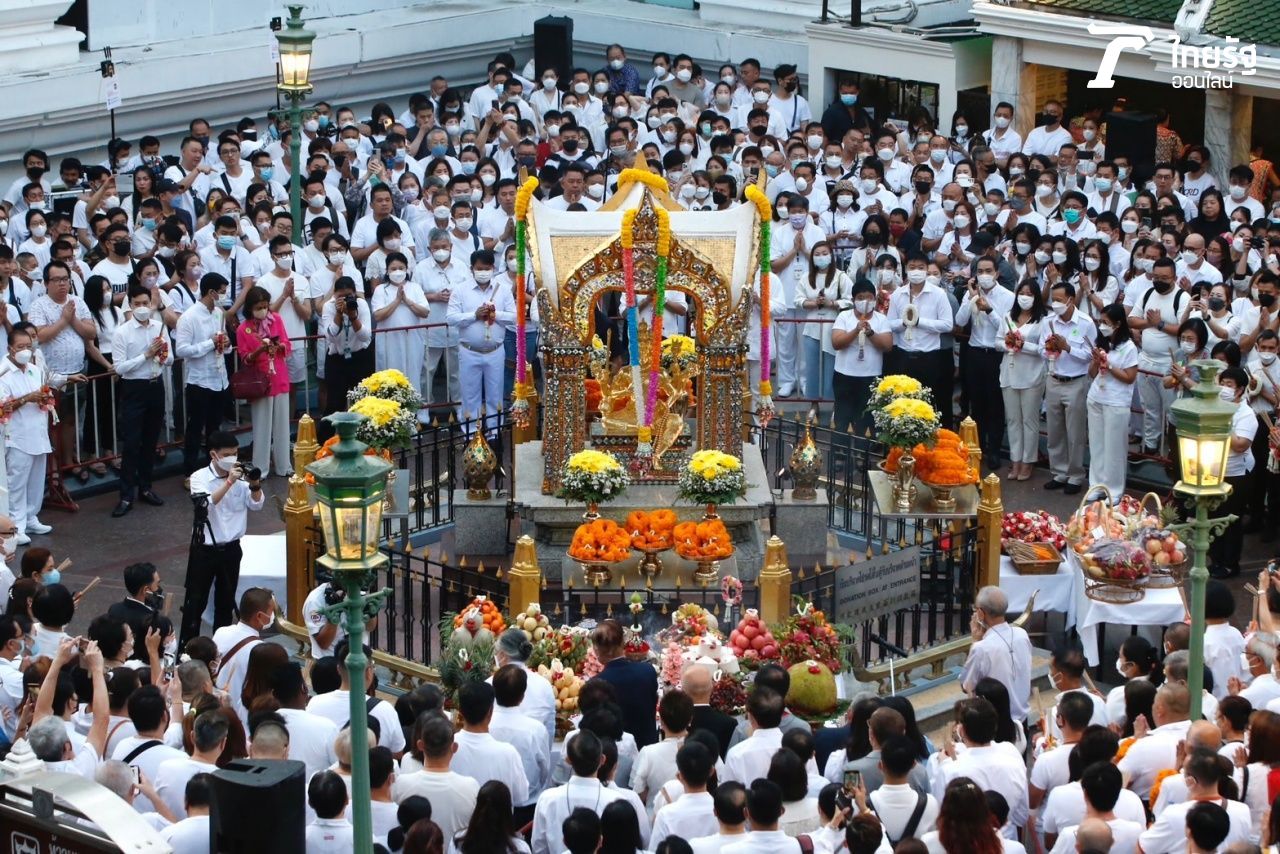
(593, 477)
(712, 477)
(387, 425)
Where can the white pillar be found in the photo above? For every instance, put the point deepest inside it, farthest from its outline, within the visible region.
(1228, 127)
(29, 41)
(1013, 80)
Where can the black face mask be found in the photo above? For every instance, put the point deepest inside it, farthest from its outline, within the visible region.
(758, 130)
(526, 161)
(790, 85)
(1051, 121)
(35, 172)
(121, 247)
(1162, 287)
(570, 145)
(719, 199)
(873, 237)
(1266, 300)
(1217, 303)
(923, 187)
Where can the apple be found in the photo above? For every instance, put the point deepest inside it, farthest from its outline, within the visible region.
(769, 651)
(751, 632)
(758, 642)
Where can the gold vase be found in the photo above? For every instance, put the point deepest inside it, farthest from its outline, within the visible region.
(944, 500)
(650, 563)
(903, 483)
(710, 513)
(806, 468)
(478, 466)
(592, 513)
(707, 572)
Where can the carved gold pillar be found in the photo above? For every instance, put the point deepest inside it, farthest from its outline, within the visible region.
(299, 514)
(990, 518)
(564, 429)
(524, 581)
(775, 582)
(969, 435)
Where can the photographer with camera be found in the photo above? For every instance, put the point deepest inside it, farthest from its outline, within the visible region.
(348, 334)
(222, 500)
(325, 635)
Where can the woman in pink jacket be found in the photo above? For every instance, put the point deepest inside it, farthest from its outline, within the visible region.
(264, 344)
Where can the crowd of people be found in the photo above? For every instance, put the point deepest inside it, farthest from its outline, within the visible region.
(1085, 282)
(491, 769)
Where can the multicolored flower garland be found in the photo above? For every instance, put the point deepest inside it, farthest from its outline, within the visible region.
(521, 411)
(626, 236)
(756, 196)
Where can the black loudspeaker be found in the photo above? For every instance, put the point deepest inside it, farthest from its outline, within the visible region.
(553, 47)
(1132, 135)
(258, 805)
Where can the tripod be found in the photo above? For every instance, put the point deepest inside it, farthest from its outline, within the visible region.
(197, 586)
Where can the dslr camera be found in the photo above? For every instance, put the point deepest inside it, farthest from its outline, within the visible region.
(249, 472)
(350, 302)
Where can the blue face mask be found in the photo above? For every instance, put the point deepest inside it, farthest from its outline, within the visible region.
(468, 167)
(848, 100)
(400, 157)
(771, 170)
(53, 576)
(227, 242)
(1071, 215)
(273, 131)
(149, 223)
(324, 121)
(439, 150)
(267, 173)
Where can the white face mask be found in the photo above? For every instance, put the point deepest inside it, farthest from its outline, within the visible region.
(1146, 265)
(1088, 134)
(1187, 346)
(142, 313)
(317, 201)
(1042, 257)
(1266, 358)
(1227, 393)
(440, 212)
(224, 464)
(814, 141)
(38, 231)
(392, 244)
(337, 258)
(684, 75)
(463, 224)
(686, 148)
(601, 87)
(22, 357)
(864, 306)
(1238, 193)
(284, 262)
(844, 202)
(822, 262)
(885, 154)
(1016, 171)
(482, 276)
(935, 281)
(802, 185)
(990, 208)
(761, 97)
(961, 221)
(582, 87)
(1059, 257)
(986, 281)
(10, 546)
(916, 276)
(887, 276)
(1022, 248)
(949, 205)
(595, 191)
(1092, 264)
(1189, 258)
(938, 155)
(397, 277)
(833, 161)
(1129, 226)
(1044, 190)
(441, 255)
(1106, 330)
(1025, 301)
(1060, 308)
(1002, 122)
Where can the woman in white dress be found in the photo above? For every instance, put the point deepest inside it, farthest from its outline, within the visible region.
(1114, 368)
(399, 302)
(823, 294)
(1022, 379)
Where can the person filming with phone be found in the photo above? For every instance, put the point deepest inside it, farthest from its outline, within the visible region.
(223, 493)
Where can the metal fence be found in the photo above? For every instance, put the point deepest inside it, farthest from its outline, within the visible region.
(658, 599)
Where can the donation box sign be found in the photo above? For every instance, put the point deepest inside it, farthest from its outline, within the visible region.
(878, 586)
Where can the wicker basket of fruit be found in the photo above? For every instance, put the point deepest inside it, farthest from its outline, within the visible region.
(1115, 571)
(1034, 558)
(1167, 552)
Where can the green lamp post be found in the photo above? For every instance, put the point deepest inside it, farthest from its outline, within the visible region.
(349, 489)
(295, 82)
(1203, 423)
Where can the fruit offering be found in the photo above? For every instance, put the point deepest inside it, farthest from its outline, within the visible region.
(600, 541)
(489, 614)
(707, 540)
(532, 622)
(1115, 560)
(567, 688)
(752, 641)
(635, 647)
(806, 636)
(728, 696)
(1030, 526)
(1162, 547)
(566, 644)
(1096, 521)
(651, 531)
(693, 621)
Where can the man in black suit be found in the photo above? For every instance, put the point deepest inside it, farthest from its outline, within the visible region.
(142, 583)
(635, 682)
(697, 683)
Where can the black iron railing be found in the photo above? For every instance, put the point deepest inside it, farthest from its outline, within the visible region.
(659, 600)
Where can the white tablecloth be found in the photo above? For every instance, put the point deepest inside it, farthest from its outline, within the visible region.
(263, 565)
(1057, 592)
(1064, 591)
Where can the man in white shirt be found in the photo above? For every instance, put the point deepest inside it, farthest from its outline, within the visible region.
(140, 352)
(902, 810)
(992, 765)
(1047, 139)
(1168, 835)
(364, 236)
(216, 559)
(1225, 550)
(764, 810)
(1102, 784)
(1066, 674)
(471, 312)
(527, 735)
(452, 795)
(789, 256)
(439, 276)
(336, 705)
(201, 340)
(477, 753)
(584, 756)
(1001, 651)
(26, 432)
(788, 102)
(347, 326)
(1260, 654)
(1069, 337)
(918, 315)
(228, 258)
(987, 306)
(1223, 643)
(1157, 750)
(692, 815)
(311, 736)
(1002, 138)
(150, 710)
(291, 299)
(1069, 717)
(330, 832)
(730, 809)
(750, 758)
(191, 834)
(539, 700)
(208, 738)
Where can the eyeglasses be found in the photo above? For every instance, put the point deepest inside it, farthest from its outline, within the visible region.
(55, 280)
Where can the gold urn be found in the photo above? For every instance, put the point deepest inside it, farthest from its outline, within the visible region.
(478, 465)
(806, 468)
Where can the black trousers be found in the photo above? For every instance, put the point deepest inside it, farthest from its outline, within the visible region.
(1257, 489)
(1225, 550)
(927, 367)
(141, 415)
(204, 415)
(852, 394)
(209, 566)
(981, 375)
(341, 374)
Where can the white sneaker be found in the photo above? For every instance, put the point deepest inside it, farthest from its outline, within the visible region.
(35, 526)
(22, 539)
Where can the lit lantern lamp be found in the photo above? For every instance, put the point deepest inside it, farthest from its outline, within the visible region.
(349, 489)
(295, 82)
(1203, 424)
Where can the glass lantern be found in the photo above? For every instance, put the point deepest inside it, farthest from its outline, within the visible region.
(295, 54)
(349, 489)
(1203, 423)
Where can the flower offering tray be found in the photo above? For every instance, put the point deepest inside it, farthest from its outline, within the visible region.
(922, 502)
